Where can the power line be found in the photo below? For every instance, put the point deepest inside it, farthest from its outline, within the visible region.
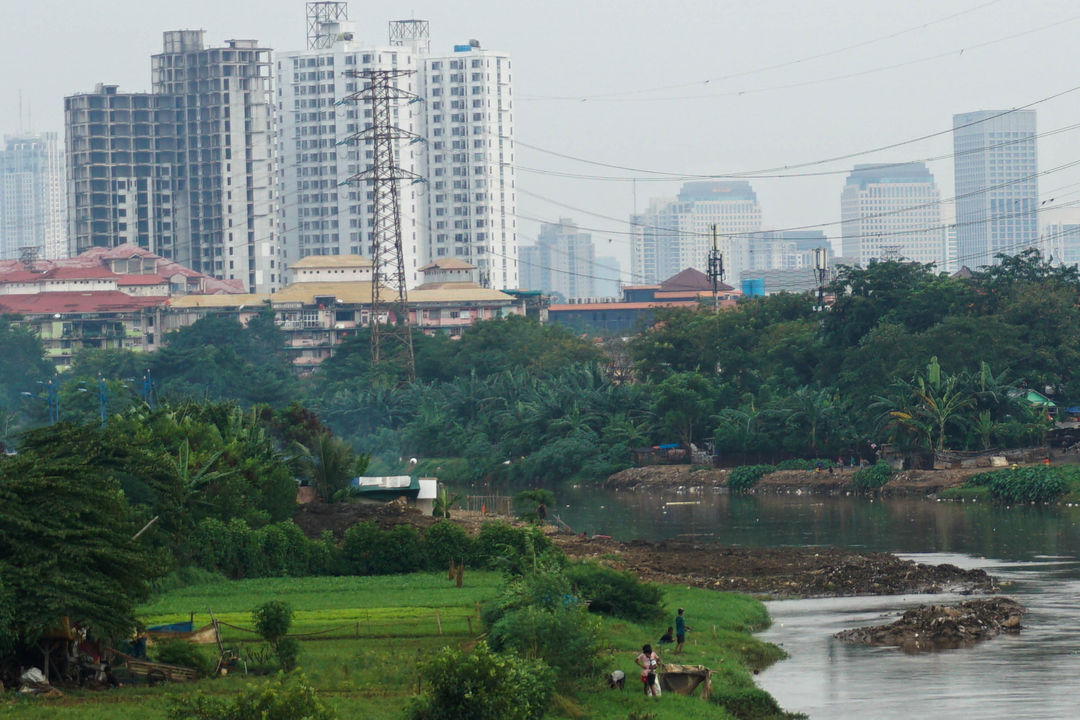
(818, 81)
(664, 176)
(798, 61)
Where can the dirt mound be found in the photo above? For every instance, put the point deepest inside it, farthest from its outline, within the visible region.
(778, 572)
(942, 627)
(314, 518)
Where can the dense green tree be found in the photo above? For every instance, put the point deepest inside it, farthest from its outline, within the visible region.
(66, 539)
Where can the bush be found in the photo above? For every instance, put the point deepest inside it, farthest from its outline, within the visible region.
(747, 703)
(272, 620)
(500, 546)
(482, 685)
(178, 652)
(747, 476)
(445, 542)
(873, 477)
(1029, 484)
(615, 593)
(287, 651)
(371, 551)
(564, 637)
(286, 698)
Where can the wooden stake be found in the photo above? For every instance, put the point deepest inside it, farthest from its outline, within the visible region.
(451, 575)
(438, 621)
(468, 619)
(460, 573)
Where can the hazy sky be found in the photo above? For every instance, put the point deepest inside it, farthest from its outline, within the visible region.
(826, 99)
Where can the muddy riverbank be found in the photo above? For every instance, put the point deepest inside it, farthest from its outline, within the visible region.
(777, 572)
(838, 482)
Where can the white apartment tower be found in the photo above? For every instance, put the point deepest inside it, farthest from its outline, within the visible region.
(455, 115)
(472, 199)
(677, 234)
(321, 147)
(892, 212)
(32, 201)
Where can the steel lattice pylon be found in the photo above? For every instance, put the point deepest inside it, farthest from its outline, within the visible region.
(389, 299)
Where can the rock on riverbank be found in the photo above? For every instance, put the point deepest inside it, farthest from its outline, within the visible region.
(777, 572)
(943, 627)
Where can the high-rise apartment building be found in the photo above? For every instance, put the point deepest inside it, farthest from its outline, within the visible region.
(997, 187)
(673, 235)
(321, 145)
(455, 117)
(121, 150)
(32, 202)
(186, 171)
(472, 199)
(892, 212)
(562, 261)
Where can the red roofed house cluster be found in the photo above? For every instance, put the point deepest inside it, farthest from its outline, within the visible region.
(103, 298)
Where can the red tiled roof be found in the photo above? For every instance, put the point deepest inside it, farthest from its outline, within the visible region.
(102, 301)
(141, 280)
(19, 276)
(78, 273)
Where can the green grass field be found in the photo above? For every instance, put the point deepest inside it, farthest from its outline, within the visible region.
(380, 627)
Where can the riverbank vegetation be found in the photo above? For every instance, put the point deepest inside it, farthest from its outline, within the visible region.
(365, 643)
(923, 360)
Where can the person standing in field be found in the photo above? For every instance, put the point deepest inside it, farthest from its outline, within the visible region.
(680, 631)
(648, 661)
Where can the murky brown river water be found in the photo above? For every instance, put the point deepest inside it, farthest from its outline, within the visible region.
(1035, 551)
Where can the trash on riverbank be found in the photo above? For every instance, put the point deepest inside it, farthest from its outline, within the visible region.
(942, 627)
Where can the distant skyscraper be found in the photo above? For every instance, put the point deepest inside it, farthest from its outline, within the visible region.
(892, 212)
(187, 171)
(32, 200)
(562, 261)
(673, 235)
(607, 271)
(997, 189)
(1059, 236)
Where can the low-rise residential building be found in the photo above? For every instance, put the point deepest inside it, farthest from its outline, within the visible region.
(689, 288)
(318, 310)
(127, 297)
(104, 298)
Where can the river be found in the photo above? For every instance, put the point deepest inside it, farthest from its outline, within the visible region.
(1034, 551)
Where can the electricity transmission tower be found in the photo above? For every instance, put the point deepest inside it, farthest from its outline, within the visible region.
(389, 300)
(716, 271)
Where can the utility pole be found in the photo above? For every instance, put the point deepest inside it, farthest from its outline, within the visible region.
(821, 270)
(716, 271)
(389, 298)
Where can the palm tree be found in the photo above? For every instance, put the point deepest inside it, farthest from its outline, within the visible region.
(331, 464)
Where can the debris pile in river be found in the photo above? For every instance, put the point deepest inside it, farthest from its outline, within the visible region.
(942, 627)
